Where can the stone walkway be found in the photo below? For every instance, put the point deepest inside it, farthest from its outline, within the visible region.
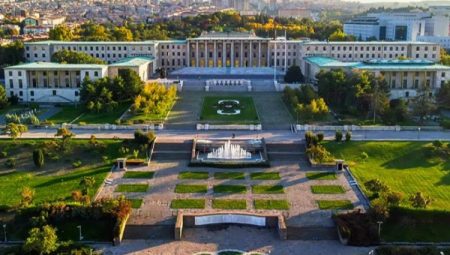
(234, 237)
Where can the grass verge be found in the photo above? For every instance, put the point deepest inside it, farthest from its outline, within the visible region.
(193, 175)
(132, 188)
(268, 189)
(187, 188)
(334, 204)
(327, 189)
(230, 204)
(265, 204)
(188, 204)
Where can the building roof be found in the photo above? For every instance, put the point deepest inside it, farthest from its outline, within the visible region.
(325, 62)
(379, 64)
(227, 35)
(369, 43)
(135, 61)
(55, 66)
(49, 42)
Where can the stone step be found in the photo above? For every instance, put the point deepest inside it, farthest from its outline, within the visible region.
(154, 232)
(312, 233)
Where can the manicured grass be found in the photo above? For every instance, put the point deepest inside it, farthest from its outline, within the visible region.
(248, 112)
(188, 204)
(265, 204)
(187, 188)
(416, 225)
(132, 188)
(57, 178)
(230, 189)
(135, 203)
(403, 166)
(67, 114)
(335, 204)
(321, 176)
(265, 176)
(231, 204)
(70, 113)
(267, 189)
(229, 175)
(193, 175)
(104, 117)
(138, 175)
(327, 189)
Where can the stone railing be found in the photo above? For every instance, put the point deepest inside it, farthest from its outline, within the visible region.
(228, 83)
(185, 219)
(251, 127)
(170, 82)
(365, 128)
(144, 127)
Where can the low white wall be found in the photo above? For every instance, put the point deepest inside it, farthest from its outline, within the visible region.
(252, 127)
(346, 128)
(159, 126)
(230, 218)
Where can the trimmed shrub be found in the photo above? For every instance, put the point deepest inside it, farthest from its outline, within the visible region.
(320, 137)
(348, 136)
(10, 162)
(38, 158)
(338, 136)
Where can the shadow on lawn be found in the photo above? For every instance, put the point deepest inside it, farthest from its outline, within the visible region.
(414, 158)
(100, 169)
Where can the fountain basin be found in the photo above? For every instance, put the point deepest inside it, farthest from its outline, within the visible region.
(232, 153)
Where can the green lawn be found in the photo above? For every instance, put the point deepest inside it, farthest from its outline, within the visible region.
(58, 178)
(321, 176)
(188, 204)
(265, 176)
(193, 175)
(247, 109)
(69, 113)
(230, 189)
(138, 175)
(230, 204)
(263, 204)
(132, 188)
(135, 202)
(186, 188)
(334, 204)
(327, 189)
(267, 189)
(403, 166)
(229, 176)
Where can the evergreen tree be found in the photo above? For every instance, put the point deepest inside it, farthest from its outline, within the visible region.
(38, 158)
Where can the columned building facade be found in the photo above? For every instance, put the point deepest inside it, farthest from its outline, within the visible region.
(228, 50)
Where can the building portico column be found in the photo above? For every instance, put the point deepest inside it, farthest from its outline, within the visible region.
(206, 54)
(232, 54)
(196, 54)
(224, 54)
(259, 54)
(251, 54)
(241, 61)
(189, 54)
(215, 54)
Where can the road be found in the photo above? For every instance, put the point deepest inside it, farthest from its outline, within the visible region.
(278, 136)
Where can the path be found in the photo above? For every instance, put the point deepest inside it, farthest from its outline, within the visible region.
(279, 136)
(234, 237)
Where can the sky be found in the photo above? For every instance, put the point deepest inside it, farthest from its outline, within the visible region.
(391, 1)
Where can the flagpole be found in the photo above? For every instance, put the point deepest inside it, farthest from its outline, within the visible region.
(275, 59)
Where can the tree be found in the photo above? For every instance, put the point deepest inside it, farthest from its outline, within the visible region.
(15, 130)
(41, 240)
(61, 33)
(132, 84)
(74, 57)
(38, 158)
(340, 36)
(419, 200)
(122, 34)
(423, 104)
(319, 153)
(27, 196)
(3, 97)
(317, 109)
(86, 183)
(66, 135)
(393, 198)
(12, 54)
(94, 32)
(443, 96)
(338, 136)
(445, 57)
(376, 186)
(294, 75)
(142, 138)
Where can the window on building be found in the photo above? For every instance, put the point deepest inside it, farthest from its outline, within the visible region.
(405, 84)
(54, 92)
(393, 84)
(11, 83)
(32, 93)
(20, 93)
(20, 84)
(416, 84)
(96, 74)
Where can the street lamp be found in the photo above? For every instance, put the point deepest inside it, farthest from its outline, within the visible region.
(418, 133)
(379, 228)
(79, 231)
(4, 233)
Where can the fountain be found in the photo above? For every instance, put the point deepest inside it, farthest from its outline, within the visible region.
(229, 153)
